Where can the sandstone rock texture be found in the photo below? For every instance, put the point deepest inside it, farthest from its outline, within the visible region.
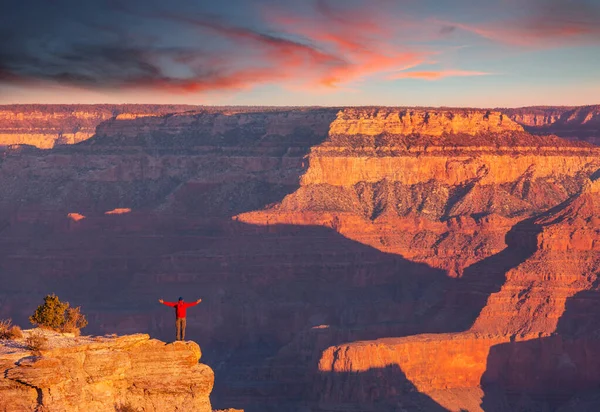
(377, 121)
(536, 336)
(104, 374)
(45, 126)
(576, 123)
(397, 257)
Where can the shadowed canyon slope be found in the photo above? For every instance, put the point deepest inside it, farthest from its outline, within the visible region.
(534, 344)
(305, 229)
(45, 126)
(581, 123)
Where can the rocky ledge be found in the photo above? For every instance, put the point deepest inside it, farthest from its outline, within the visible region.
(107, 373)
(536, 337)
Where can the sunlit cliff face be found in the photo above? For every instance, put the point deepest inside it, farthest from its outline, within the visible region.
(47, 126)
(521, 339)
(455, 235)
(103, 374)
(476, 173)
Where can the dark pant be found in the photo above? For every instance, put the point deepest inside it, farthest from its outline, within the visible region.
(180, 328)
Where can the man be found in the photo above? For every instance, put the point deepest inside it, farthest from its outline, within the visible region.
(180, 311)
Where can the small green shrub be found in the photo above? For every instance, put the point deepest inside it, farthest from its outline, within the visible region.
(58, 316)
(36, 342)
(51, 314)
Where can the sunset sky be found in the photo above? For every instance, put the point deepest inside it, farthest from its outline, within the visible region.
(501, 53)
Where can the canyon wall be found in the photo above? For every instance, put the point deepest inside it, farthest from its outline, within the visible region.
(45, 126)
(103, 374)
(576, 123)
(430, 122)
(308, 229)
(534, 337)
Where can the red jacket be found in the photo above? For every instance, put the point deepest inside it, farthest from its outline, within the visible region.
(180, 307)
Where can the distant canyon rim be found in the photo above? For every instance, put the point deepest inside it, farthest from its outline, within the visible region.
(349, 259)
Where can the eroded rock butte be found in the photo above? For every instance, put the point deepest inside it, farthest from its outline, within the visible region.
(416, 258)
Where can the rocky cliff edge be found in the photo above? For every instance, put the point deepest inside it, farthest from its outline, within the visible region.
(107, 373)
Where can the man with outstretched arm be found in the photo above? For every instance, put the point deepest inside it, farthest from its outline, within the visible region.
(180, 312)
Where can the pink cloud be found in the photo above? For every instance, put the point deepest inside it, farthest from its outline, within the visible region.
(322, 50)
(437, 74)
(330, 49)
(541, 35)
(362, 39)
(548, 23)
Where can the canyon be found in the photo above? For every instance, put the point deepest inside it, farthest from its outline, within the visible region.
(46, 126)
(534, 338)
(580, 123)
(348, 258)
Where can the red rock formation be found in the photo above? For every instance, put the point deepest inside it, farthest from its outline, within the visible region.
(577, 123)
(104, 374)
(516, 342)
(76, 217)
(460, 195)
(118, 211)
(430, 122)
(45, 126)
(360, 234)
(565, 263)
(432, 364)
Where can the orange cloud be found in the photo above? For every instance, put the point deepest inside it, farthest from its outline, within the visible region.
(311, 46)
(362, 39)
(275, 58)
(329, 49)
(437, 74)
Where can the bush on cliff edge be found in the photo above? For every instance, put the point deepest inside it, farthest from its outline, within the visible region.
(58, 316)
(74, 320)
(8, 331)
(36, 342)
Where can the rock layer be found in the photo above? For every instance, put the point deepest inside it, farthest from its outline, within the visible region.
(534, 337)
(577, 123)
(431, 122)
(104, 374)
(45, 126)
(304, 229)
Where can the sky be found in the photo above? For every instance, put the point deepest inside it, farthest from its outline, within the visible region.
(477, 53)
